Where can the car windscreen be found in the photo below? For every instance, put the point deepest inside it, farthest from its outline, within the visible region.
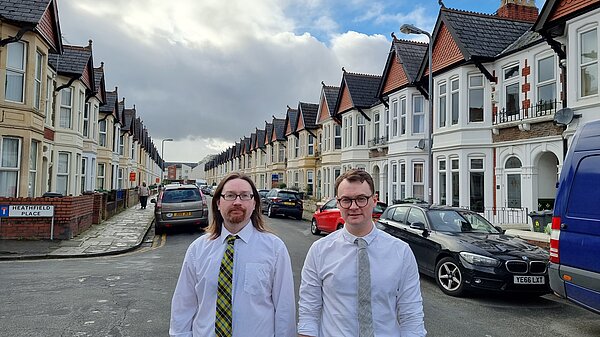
(288, 195)
(181, 195)
(455, 222)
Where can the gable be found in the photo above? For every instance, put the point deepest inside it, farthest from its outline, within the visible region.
(345, 101)
(86, 78)
(49, 29)
(445, 50)
(395, 77)
(300, 122)
(566, 7)
(288, 127)
(324, 110)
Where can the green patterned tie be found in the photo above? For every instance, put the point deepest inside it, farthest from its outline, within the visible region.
(223, 319)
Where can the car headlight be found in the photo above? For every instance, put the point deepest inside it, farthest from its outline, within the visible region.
(479, 260)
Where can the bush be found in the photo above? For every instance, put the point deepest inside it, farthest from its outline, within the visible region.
(282, 185)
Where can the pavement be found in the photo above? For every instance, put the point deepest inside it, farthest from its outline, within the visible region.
(121, 233)
(126, 231)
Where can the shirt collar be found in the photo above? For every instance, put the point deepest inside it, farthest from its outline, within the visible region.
(368, 238)
(245, 234)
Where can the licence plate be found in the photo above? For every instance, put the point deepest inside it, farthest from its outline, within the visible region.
(288, 203)
(182, 214)
(529, 280)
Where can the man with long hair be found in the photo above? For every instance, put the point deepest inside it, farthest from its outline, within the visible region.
(236, 280)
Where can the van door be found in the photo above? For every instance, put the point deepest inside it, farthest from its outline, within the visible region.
(579, 245)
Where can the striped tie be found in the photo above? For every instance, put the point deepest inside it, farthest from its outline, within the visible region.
(223, 319)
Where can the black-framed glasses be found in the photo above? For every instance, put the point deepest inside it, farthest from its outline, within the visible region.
(361, 201)
(233, 196)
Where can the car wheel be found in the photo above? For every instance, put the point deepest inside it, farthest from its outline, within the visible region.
(313, 227)
(449, 277)
(270, 212)
(298, 216)
(158, 230)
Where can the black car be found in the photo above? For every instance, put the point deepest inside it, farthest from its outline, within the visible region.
(284, 202)
(463, 251)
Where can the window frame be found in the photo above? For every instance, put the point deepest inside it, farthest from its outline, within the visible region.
(16, 72)
(471, 89)
(11, 169)
(418, 116)
(66, 111)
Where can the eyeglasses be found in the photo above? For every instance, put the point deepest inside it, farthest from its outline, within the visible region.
(233, 196)
(361, 201)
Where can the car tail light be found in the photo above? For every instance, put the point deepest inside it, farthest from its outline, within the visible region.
(554, 238)
(275, 199)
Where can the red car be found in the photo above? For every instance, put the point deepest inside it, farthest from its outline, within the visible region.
(327, 218)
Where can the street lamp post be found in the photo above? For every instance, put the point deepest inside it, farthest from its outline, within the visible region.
(162, 156)
(410, 29)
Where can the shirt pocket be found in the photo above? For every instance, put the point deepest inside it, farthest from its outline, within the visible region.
(257, 279)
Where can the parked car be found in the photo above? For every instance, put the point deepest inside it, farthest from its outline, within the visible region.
(327, 218)
(263, 193)
(206, 190)
(180, 205)
(284, 202)
(575, 242)
(463, 251)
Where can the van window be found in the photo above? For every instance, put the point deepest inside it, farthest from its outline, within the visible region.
(584, 200)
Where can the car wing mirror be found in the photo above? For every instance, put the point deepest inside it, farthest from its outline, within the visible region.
(418, 225)
(500, 229)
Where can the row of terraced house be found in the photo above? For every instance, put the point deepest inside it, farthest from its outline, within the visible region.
(509, 90)
(61, 130)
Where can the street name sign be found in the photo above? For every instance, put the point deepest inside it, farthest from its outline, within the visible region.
(31, 211)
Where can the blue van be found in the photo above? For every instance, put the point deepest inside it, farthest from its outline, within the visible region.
(574, 268)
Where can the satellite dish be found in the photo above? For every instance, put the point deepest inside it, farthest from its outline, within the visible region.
(421, 144)
(565, 116)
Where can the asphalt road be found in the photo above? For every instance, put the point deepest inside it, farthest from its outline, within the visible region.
(129, 295)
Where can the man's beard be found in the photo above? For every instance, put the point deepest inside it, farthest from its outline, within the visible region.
(238, 217)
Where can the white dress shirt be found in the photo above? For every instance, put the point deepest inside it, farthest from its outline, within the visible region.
(328, 291)
(262, 289)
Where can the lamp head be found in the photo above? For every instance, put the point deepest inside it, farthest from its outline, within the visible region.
(410, 29)
(168, 140)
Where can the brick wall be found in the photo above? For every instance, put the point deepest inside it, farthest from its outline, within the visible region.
(537, 130)
(72, 215)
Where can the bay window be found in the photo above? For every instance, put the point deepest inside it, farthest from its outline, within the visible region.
(418, 115)
(476, 98)
(588, 62)
(15, 72)
(10, 153)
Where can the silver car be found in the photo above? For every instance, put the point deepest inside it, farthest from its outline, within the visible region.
(180, 205)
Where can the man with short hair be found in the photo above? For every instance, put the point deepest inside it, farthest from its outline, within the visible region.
(236, 280)
(359, 281)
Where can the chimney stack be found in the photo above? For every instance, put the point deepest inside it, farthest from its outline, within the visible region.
(523, 10)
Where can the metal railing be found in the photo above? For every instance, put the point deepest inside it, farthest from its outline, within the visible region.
(505, 215)
(380, 141)
(540, 109)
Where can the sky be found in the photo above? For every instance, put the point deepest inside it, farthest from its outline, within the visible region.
(209, 72)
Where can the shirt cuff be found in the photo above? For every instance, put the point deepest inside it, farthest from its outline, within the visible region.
(309, 329)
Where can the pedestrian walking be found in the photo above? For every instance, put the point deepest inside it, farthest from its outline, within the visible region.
(236, 280)
(359, 281)
(143, 193)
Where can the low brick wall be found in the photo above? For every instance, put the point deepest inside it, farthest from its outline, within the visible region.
(72, 215)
